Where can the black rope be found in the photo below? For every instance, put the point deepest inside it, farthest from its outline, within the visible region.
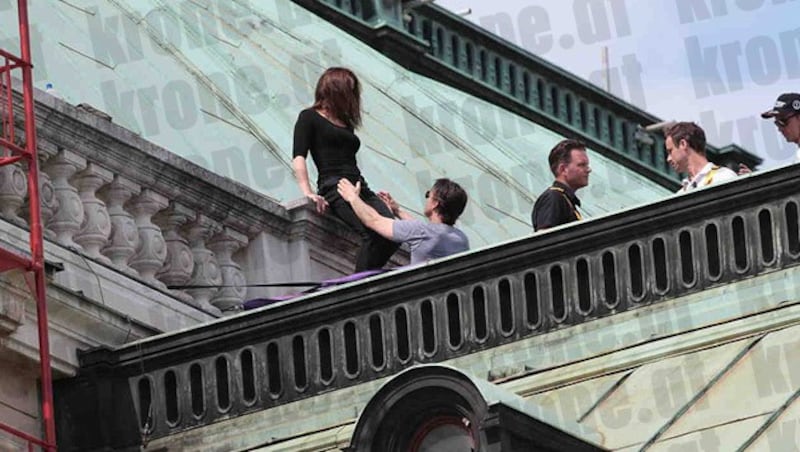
(220, 286)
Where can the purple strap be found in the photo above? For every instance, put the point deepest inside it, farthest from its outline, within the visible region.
(259, 302)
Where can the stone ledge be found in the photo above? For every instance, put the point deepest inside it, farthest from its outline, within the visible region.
(76, 323)
(11, 304)
(82, 275)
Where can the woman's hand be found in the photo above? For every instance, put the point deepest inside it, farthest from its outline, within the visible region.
(301, 174)
(320, 203)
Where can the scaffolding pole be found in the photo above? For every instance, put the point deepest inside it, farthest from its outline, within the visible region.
(27, 155)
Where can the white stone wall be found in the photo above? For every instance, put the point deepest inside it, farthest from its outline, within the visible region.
(19, 398)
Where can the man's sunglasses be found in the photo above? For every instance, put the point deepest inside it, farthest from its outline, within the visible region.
(783, 122)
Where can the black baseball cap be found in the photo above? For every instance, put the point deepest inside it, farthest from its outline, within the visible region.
(786, 104)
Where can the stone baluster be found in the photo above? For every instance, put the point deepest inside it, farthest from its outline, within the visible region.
(152, 250)
(177, 269)
(206, 271)
(224, 244)
(13, 188)
(96, 227)
(68, 217)
(124, 236)
(47, 195)
(48, 203)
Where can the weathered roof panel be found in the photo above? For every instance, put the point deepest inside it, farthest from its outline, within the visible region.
(769, 370)
(782, 433)
(574, 402)
(638, 408)
(726, 437)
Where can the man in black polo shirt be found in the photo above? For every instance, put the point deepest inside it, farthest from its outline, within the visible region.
(558, 204)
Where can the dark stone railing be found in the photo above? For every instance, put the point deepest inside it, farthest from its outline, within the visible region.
(434, 313)
(448, 48)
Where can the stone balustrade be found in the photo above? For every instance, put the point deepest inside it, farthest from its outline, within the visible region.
(111, 219)
(124, 203)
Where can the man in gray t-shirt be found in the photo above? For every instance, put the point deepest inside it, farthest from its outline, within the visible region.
(437, 237)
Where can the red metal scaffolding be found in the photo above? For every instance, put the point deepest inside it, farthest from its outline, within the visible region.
(22, 150)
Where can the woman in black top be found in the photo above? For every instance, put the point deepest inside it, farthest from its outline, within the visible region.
(326, 130)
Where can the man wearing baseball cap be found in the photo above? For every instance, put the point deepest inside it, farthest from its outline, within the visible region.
(786, 112)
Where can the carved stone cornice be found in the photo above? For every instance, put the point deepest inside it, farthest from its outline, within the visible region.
(76, 322)
(12, 308)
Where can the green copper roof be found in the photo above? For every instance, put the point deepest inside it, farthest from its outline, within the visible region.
(221, 84)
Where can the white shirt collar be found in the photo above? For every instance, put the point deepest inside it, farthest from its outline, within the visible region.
(690, 184)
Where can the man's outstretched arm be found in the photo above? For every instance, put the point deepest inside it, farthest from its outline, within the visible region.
(371, 218)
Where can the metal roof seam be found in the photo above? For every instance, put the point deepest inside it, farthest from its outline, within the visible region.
(744, 352)
(606, 395)
(458, 142)
(770, 421)
(204, 80)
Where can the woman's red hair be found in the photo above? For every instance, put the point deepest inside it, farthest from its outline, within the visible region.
(338, 93)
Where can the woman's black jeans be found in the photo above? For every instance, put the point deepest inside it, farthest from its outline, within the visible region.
(375, 250)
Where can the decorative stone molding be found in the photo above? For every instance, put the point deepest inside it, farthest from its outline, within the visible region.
(68, 217)
(152, 249)
(12, 308)
(96, 226)
(179, 264)
(124, 236)
(13, 188)
(206, 270)
(224, 245)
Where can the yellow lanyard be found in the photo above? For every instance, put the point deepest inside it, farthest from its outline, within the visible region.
(710, 176)
(572, 206)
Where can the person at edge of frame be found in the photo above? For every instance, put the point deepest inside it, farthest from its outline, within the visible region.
(786, 113)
